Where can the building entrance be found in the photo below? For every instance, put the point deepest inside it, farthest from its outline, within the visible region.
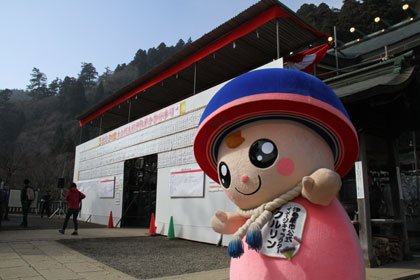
(139, 194)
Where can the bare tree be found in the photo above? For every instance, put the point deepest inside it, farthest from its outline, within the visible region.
(44, 172)
(12, 161)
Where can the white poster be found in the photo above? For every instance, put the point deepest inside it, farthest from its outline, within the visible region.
(187, 182)
(214, 186)
(119, 184)
(117, 197)
(106, 188)
(359, 180)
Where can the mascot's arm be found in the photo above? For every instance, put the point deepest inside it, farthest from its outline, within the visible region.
(226, 222)
(321, 186)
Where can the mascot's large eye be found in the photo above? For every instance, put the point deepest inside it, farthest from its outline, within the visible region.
(263, 153)
(224, 174)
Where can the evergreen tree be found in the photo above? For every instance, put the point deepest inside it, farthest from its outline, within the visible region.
(180, 45)
(12, 120)
(120, 67)
(140, 62)
(322, 17)
(72, 96)
(155, 55)
(88, 75)
(65, 90)
(79, 101)
(54, 87)
(68, 145)
(58, 140)
(99, 92)
(4, 98)
(353, 13)
(105, 75)
(389, 10)
(38, 84)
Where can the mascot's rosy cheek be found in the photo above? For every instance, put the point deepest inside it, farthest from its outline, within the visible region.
(285, 166)
(278, 141)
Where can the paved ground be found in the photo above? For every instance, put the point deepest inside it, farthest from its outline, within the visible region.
(36, 254)
(152, 256)
(36, 222)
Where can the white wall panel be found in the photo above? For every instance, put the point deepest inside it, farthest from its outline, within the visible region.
(172, 140)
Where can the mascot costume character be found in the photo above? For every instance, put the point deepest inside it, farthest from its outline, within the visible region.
(279, 141)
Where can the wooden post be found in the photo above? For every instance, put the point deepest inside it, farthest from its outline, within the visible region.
(363, 205)
(398, 201)
(335, 50)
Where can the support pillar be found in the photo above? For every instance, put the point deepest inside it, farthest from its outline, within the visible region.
(335, 50)
(398, 200)
(363, 205)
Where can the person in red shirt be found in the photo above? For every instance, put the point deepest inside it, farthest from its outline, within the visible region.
(73, 197)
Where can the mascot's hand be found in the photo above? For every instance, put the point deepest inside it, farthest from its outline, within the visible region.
(321, 186)
(226, 222)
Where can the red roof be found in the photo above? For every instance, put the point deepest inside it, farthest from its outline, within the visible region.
(265, 17)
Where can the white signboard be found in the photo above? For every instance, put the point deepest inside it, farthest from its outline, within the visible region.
(282, 236)
(187, 182)
(359, 179)
(14, 199)
(106, 188)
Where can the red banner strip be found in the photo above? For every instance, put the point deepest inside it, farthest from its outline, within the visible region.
(187, 171)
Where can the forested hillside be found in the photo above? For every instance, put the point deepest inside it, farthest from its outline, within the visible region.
(38, 127)
(353, 13)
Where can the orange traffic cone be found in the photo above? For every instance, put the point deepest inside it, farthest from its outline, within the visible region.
(111, 221)
(152, 227)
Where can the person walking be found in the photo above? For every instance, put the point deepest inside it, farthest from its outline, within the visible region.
(27, 196)
(73, 197)
(45, 207)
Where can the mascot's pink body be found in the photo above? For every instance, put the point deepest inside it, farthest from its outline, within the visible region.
(329, 251)
(279, 141)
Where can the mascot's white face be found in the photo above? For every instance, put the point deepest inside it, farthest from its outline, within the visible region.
(262, 160)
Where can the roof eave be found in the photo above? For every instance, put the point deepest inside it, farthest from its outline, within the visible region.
(272, 9)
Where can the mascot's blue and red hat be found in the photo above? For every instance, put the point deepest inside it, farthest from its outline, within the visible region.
(276, 94)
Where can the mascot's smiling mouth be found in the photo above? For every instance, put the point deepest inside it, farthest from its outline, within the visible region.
(259, 187)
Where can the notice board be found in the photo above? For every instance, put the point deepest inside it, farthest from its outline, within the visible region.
(187, 182)
(107, 188)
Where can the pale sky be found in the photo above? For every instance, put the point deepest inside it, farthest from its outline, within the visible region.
(56, 36)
